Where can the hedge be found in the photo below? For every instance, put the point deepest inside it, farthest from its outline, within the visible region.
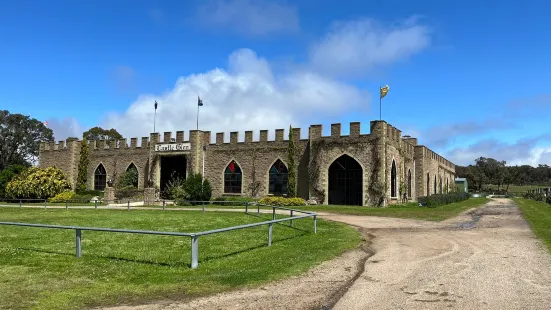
(282, 201)
(441, 199)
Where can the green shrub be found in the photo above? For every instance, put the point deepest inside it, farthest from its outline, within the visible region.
(441, 199)
(91, 193)
(197, 190)
(282, 201)
(62, 197)
(128, 178)
(84, 198)
(127, 192)
(548, 198)
(7, 175)
(232, 200)
(38, 183)
(174, 188)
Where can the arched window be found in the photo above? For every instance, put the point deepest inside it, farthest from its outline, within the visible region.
(278, 178)
(409, 183)
(100, 178)
(232, 178)
(435, 185)
(132, 175)
(393, 191)
(448, 185)
(440, 185)
(428, 184)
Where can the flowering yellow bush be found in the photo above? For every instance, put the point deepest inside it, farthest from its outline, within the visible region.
(38, 183)
(282, 201)
(62, 197)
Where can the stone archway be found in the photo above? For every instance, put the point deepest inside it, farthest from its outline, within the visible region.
(345, 182)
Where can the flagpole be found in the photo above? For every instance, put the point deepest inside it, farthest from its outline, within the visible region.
(155, 117)
(198, 116)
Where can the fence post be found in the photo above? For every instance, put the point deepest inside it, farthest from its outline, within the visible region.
(315, 226)
(95, 204)
(66, 204)
(291, 220)
(45, 200)
(79, 244)
(20, 204)
(194, 252)
(203, 206)
(128, 205)
(246, 208)
(164, 204)
(273, 213)
(258, 210)
(270, 234)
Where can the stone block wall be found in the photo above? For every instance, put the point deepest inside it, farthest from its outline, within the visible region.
(374, 152)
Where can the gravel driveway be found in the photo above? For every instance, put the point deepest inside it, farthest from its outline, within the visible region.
(487, 258)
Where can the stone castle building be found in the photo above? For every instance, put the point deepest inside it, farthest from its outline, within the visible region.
(354, 169)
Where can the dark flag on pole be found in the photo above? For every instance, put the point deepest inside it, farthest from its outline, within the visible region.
(199, 101)
(155, 104)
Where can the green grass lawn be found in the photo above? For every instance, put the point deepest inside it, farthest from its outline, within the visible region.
(538, 215)
(38, 267)
(410, 211)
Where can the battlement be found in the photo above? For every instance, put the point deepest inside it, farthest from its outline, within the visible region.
(425, 152)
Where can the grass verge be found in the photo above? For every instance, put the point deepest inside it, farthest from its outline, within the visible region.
(538, 215)
(409, 211)
(38, 267)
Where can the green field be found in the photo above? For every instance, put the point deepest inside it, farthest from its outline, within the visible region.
(410, 211)
(538, 215)
(38, 267)
(515, 188)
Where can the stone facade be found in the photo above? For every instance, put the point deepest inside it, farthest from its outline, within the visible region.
(375, 153)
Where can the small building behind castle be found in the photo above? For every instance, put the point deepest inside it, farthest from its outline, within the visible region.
(354, 169)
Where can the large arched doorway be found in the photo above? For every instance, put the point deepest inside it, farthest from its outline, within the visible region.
(393, 191)
(345, 182)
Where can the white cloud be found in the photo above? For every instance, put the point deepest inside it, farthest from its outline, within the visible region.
(246, 96)
(65, 128)
(248, 17)
(356, 46)
(521, 152)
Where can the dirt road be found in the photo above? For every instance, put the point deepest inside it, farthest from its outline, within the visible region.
(489, 259)
(484, 259)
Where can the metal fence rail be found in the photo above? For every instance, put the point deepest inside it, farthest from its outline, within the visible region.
(194, 236)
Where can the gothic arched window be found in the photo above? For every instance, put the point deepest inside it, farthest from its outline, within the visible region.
(232, 178)
(100, 178)
(278, 178)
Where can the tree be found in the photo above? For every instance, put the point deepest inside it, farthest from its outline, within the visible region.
(98, 133)
(20, 138)
(291, 171)
(83, 166)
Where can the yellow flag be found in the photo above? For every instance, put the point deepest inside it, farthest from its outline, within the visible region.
(384, 91)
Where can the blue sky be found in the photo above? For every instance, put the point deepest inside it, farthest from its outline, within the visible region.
(469, 78)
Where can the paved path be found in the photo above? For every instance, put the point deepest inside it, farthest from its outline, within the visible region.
(489, 259)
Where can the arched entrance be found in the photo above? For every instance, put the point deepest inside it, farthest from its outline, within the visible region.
(345, 182)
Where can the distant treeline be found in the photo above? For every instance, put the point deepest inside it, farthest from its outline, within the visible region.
(487, 171)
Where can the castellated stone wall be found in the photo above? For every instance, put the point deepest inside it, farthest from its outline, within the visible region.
(375, 152)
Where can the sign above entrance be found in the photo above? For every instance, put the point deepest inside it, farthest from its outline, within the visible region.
(173, 147)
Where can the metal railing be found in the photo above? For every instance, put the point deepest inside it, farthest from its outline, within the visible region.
(194, 236)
